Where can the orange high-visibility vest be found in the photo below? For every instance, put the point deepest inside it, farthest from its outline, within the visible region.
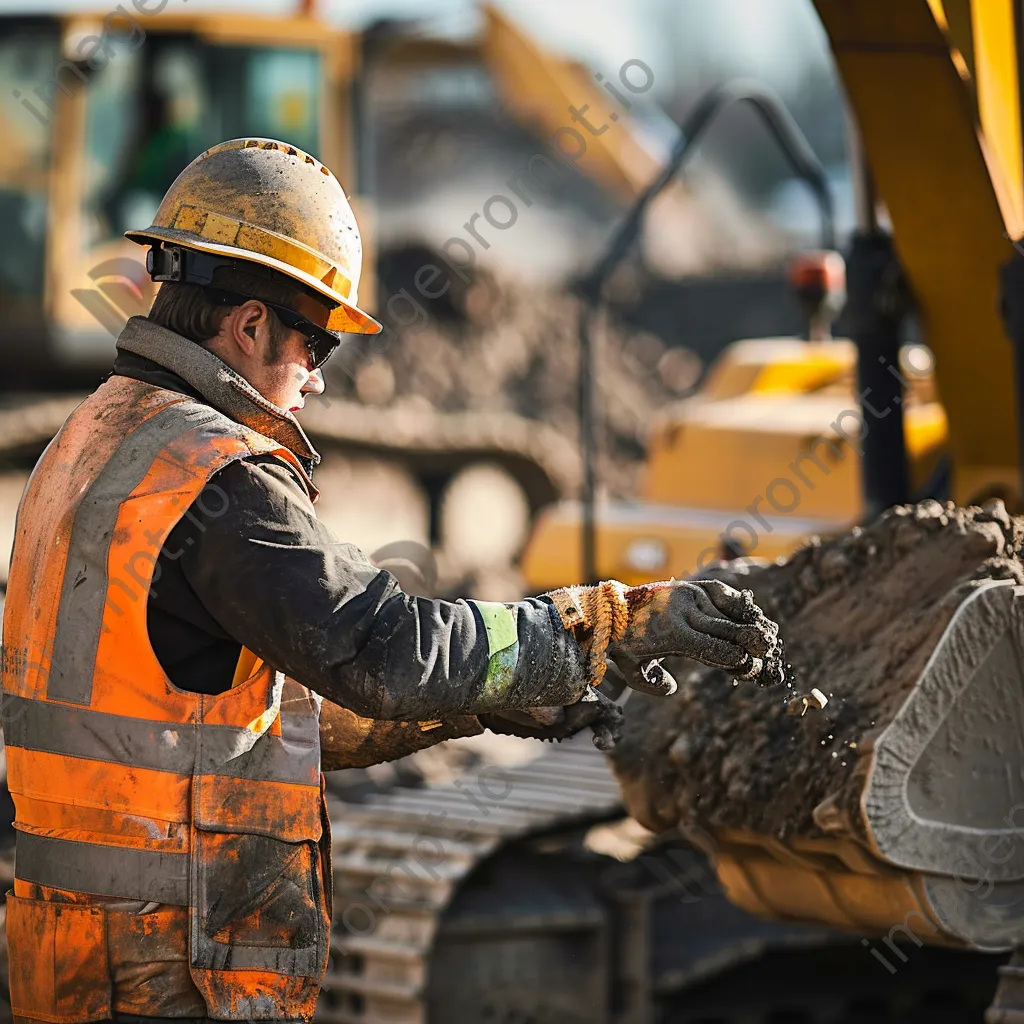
(208, 808)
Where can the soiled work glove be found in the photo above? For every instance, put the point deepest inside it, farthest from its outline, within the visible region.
(635, 627)
(705, 620)
(593, 709)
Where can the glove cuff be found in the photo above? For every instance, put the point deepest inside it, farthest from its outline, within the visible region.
(596, 617)
(583, 608)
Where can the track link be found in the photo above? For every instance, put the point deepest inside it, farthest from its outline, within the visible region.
(400, 857)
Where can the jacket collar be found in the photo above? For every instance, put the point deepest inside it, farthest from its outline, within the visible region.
(220, 386)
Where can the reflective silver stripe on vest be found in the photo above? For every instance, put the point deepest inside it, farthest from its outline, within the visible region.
(84, 592)
(146, 875)
(293, 757)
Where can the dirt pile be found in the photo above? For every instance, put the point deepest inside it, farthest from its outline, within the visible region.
(496, 346)
(860, 614)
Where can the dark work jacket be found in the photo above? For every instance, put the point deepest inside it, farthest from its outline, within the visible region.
(249, 564)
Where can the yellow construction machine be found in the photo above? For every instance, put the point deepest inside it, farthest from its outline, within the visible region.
(519, 893)
(789, 440)
(765, 455)
(530, 920)
(777, 444)
(100, 111)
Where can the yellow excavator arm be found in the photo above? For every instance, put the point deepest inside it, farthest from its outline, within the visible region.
(543, 90)
(933, 90)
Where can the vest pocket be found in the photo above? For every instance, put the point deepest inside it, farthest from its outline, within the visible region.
(59, 967)
(258, 904)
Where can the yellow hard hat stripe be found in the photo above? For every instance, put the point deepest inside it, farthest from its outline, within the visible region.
(229, 231)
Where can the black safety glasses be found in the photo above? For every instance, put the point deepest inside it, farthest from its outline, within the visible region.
(320, 341)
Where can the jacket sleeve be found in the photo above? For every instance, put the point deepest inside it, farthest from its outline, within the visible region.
(348, 741)
(280, 583)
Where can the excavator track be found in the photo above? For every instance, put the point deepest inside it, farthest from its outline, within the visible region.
(432, 446)
(400, 857)
(29, 422)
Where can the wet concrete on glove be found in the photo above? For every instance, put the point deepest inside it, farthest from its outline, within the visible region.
(767, 670)
(861, 613)
(773, 666)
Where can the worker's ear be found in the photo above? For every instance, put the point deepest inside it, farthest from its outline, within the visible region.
(243, 326)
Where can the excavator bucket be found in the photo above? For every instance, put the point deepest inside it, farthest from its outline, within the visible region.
(897, 809)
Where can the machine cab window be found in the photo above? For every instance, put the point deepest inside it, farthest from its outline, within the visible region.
(92, 145)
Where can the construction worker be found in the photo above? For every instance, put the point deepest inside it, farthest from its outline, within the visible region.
(176, 618)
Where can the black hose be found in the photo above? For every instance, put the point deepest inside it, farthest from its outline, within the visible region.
(797, 151)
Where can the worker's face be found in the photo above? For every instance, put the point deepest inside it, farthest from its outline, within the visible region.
(282, 374)
(287, 375)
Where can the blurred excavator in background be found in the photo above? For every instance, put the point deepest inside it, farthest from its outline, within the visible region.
(100, 113)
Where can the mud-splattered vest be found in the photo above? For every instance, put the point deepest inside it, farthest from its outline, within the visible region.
(206, 811)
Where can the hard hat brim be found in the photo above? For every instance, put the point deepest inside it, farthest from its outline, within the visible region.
(346, 318)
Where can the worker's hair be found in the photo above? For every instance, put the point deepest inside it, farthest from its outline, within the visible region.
(189, 311)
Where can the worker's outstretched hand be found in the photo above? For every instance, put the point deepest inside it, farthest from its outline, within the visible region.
(705, 620)
(593, 709)
(635, 627)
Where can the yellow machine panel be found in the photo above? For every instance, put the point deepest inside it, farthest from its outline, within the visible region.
(764, 457)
